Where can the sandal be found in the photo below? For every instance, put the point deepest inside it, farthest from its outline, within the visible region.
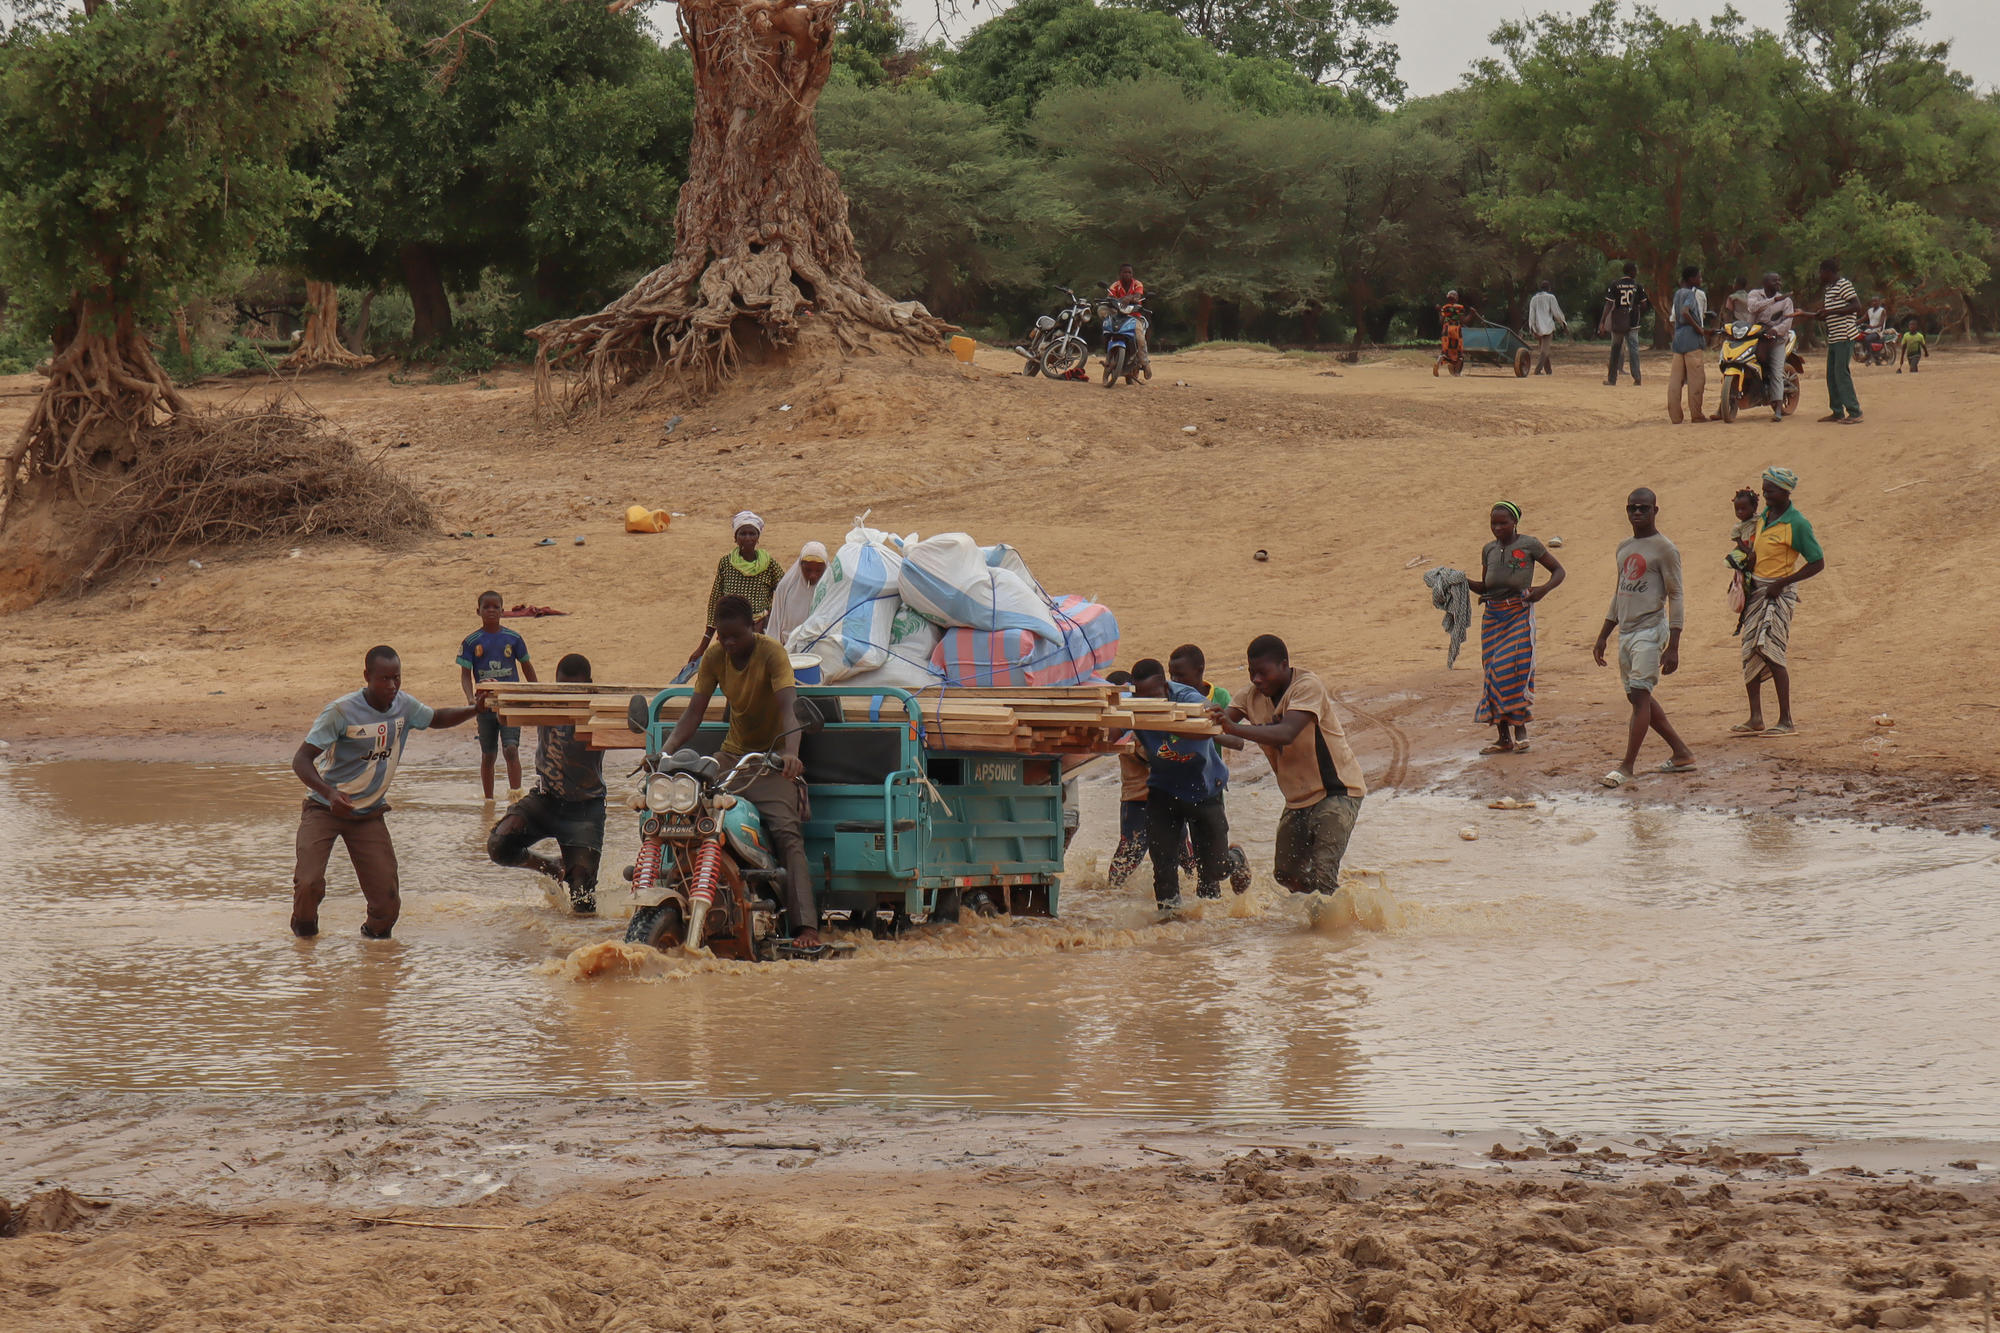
(1497, 748)
(1783, 729)
(1617, 777)
(1669, 766)
(1520, 747)
(1745, 729)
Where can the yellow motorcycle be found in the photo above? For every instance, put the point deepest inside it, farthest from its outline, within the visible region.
(1743, 369)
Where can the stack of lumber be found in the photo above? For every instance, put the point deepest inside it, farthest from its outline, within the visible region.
(1075, 719)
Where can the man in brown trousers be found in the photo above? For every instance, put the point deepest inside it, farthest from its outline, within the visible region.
(346, 763)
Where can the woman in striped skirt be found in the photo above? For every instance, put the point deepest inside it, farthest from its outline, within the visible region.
(1507, 631)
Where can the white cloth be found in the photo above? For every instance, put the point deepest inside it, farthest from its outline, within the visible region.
(792, 602)
(1544, 314)
(746, 519)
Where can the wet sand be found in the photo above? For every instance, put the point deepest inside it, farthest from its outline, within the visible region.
(624, 1214)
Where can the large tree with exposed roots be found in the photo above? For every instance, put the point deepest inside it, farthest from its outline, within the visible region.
(143, 152)
(763, 258)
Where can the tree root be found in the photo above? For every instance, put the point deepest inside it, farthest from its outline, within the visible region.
(104, 399)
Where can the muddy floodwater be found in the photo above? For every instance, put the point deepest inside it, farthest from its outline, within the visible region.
(1586, 965)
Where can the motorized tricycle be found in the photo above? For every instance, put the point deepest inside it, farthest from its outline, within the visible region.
(896, 833)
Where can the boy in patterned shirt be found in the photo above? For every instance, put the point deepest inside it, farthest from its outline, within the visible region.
(347, 762)
(494, 654)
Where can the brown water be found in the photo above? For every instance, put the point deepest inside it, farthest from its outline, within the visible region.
(1587, 965)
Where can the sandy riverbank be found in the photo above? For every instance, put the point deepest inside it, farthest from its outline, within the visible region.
(1352, 477)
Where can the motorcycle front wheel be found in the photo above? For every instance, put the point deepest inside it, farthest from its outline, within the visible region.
(1114, 366)
(662, 926)
(1791, 395)
(1731, 390)
(1062, 356)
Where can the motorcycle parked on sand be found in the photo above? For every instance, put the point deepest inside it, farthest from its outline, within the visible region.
(1122, 317)
(1058, 346)
(1743, 369)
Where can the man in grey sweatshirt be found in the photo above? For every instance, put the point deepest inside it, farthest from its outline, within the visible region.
(1646, 607)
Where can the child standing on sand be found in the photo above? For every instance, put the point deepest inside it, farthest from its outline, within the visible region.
(1742, 550)
(494, 654)
(1913, 347)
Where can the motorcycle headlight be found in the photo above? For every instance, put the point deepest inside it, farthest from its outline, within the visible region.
(674, 793)
(1045, 322)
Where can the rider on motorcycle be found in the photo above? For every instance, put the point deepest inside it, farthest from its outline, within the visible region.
(1770, 307)
(754, 674)
(1129, 288)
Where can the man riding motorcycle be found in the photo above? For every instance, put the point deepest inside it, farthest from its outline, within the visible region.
(1129, 288)
(754, 674)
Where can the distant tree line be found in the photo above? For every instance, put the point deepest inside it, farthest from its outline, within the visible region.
(1255, 159)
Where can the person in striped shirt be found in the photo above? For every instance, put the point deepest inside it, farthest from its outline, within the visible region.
(1840, 307)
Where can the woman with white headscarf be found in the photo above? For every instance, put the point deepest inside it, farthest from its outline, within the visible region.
(749, 572)
(792, 602)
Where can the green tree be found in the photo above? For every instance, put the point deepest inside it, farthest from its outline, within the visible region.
(943, 204)
(1328, 41)
(553, 155)
(1639, 138)
(144, 149)
(1186, 185)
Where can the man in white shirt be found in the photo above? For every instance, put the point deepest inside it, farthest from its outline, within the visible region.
(1544, 315)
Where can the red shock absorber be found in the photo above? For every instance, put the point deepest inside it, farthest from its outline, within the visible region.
(648, 868)
(707, 869)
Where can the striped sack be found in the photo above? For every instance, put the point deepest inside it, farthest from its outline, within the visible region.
(973, 657)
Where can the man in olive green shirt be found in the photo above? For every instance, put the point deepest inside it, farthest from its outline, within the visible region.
(755, 677)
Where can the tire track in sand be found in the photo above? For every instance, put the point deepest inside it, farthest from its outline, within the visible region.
(1399, 746)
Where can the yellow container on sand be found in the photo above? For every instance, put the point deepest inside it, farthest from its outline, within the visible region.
(963, 348)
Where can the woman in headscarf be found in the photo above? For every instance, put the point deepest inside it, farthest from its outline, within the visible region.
(1507, 631)
(749, 572)
(792, 602)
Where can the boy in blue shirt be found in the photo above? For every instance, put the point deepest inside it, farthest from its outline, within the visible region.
(493, 653)
(1184, 787)
(347, 761)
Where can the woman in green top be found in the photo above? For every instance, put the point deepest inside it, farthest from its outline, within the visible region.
(1507, 632)
(749, 572)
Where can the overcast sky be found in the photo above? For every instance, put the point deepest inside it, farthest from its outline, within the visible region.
(1441, 38)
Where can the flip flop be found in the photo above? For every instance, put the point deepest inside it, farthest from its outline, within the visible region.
(1669, 766)
(1745, 729)
(1500, 749)
(1617, 777)
(1520, 747)
(1783, 729)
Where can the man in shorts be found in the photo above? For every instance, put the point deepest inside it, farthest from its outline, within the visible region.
(1646, 611)
(567, 804)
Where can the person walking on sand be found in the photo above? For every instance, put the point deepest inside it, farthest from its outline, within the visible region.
(1545, 316)
(1290, 716)
(1690, 347)
(1912, 347)
(1840, 307)
(1451, 335)
(1624, 303)
(1507, 629)
(1786, 554)
(347, 762)
(1646, 607)
(749, 572)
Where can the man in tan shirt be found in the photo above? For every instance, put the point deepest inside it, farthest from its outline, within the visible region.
(1291, 717)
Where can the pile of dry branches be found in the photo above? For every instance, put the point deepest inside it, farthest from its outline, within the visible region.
(277, 472)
